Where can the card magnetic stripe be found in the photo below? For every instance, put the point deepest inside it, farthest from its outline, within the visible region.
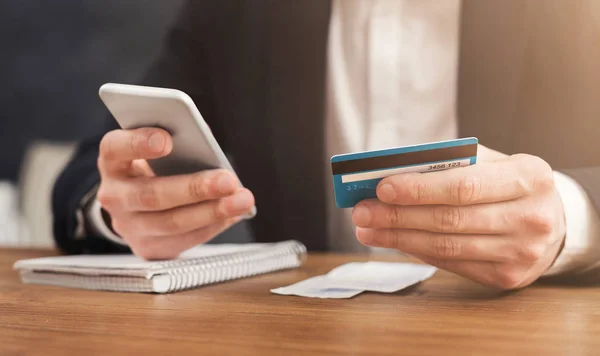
(403, 159)
(404, 149)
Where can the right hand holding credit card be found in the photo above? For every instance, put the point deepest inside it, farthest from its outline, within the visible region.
(500, 222)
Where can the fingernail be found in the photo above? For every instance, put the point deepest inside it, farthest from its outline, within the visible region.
(156, 142)
(386, 193)
(225, 184)
(365, 236)
(242, 201)
(361, 215)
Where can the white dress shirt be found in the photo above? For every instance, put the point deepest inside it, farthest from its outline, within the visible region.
(391, 82)
(392, 68)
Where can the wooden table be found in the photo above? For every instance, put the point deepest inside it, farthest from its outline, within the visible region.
(444, 315)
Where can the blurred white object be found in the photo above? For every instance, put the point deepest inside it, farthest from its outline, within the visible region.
(41, 165)
(12, 227)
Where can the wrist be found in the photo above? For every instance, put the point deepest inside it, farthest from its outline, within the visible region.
(94, 220)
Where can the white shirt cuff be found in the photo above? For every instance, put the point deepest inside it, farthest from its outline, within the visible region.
(97, 222)
(582, 237)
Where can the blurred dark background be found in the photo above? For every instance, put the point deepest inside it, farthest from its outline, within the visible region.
(54, 55)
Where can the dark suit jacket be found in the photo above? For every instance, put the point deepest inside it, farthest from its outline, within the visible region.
(528, 81)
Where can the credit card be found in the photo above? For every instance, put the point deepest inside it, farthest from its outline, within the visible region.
(356, 175)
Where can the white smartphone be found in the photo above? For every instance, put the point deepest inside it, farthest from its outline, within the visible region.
(194, 146)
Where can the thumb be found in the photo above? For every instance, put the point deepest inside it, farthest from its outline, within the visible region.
(119, 148)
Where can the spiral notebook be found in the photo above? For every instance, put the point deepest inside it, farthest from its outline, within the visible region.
(201, 265)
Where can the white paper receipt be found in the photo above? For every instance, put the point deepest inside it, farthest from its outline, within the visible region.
(316, 287)
(351, 279)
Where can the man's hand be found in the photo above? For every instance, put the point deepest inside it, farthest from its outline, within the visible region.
(159, 217)
(499, 222)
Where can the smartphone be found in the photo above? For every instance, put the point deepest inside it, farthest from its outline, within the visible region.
(194, 146)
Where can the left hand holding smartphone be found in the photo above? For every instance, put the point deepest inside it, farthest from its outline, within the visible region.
(160, 217)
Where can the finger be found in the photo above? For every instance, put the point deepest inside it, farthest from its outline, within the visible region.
(169, 247)
(119, 148)
(490, 274)
(485, 182)
(445, 246)
(473, 219)
(186, 218)
(141, 168)
(163, 193)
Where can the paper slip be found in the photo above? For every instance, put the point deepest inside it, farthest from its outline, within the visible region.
(386, 277)
(316, 287)
(351, 279)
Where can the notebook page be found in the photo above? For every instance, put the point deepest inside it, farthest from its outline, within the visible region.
(128, 261)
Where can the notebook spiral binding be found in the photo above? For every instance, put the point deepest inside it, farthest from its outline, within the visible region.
(213, 269)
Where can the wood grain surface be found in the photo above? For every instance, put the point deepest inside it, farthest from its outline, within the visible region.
(445, 315)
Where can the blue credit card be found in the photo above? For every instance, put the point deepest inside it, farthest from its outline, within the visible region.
(356, 175)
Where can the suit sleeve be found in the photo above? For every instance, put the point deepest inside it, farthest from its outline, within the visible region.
(183, 64)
